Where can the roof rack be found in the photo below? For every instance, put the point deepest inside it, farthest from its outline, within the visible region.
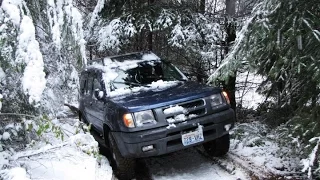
(122, 57)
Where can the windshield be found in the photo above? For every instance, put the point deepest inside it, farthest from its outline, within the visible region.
(146, 73)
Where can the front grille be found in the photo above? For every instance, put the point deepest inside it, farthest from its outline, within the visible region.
(193, 104)
(189, 110)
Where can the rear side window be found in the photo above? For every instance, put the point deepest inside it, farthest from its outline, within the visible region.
(88, 90)
(83, 83)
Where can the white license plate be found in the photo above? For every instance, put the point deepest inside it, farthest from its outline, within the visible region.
(192, 137)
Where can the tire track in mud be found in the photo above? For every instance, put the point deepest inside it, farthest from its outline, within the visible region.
(230, 162)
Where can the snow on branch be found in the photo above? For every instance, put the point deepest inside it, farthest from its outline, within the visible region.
(96, 11)
(310, 161)
(230, 63)
(61, 13)
(33, 80)
(12, 8)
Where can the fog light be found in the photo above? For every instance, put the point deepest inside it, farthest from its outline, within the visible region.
(147, 148)
(227, 127)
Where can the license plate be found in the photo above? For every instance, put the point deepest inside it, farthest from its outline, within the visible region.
(192, 137)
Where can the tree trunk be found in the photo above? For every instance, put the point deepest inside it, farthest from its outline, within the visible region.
(202, 6)
(150, 35)
(230, 85)
(150, 45)
(231, 7)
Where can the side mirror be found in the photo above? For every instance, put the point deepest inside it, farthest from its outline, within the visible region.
(98, 94)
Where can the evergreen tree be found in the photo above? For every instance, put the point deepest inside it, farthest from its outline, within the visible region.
(42, 46)
(281, 42)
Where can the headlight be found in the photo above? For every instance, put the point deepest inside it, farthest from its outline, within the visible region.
(216, 100)
(144, 118)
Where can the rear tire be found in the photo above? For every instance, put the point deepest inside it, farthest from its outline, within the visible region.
(218, 147)
(82, 118)
(123, 168)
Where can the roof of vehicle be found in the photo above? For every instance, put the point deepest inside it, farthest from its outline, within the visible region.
(123, 62)
(143, 56)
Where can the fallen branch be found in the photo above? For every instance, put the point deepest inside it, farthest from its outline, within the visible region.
(34, 153)
(15, 114)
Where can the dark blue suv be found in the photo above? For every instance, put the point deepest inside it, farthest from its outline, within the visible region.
(141, 106)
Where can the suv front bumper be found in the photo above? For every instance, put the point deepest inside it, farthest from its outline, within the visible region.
(169, 140)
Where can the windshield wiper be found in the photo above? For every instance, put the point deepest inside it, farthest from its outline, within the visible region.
(131, 83)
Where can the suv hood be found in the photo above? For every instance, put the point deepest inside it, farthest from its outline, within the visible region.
(183, 91)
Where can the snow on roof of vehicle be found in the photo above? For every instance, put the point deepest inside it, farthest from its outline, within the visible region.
(123, 62)
(119, 60)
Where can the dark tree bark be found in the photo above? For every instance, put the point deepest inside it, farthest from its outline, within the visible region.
(150, 41)
(202, 6)
(231, 7)
(150, 35)
(230, 85)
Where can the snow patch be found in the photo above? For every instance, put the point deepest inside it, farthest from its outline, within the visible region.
(159, 85)
(16, 173)
(150, 56)
(85, 142)
(171, 125)
(174, 110)
(11, 7)
(5, 136)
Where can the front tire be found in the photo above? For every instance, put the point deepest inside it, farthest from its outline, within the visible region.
(124, 168)
(218, 147)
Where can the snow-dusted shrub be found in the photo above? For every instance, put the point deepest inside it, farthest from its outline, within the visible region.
(86, 143)
(12, 135)
(302, 133)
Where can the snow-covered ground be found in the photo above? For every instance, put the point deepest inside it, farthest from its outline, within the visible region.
(190, 164)
(258, 146)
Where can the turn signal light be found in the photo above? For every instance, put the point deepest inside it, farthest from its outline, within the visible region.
(128, 120)
(225, 94)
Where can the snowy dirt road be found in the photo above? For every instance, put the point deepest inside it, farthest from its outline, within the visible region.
(190, 164)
